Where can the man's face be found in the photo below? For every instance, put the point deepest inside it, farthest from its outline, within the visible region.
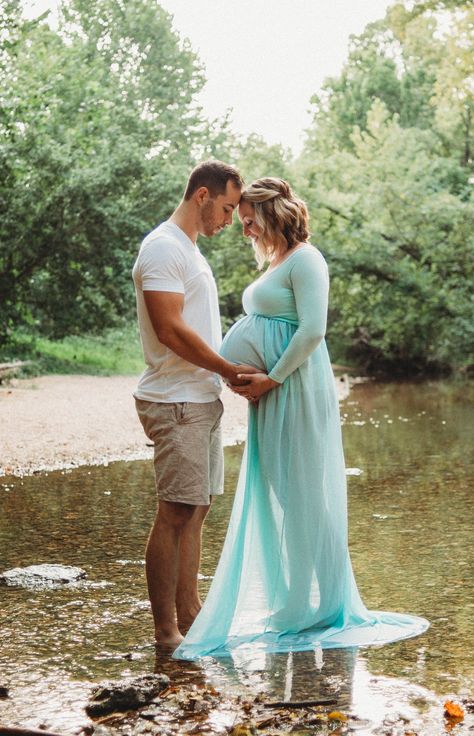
(218, 212)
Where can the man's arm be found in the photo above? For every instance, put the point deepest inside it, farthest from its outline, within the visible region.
(165, 310)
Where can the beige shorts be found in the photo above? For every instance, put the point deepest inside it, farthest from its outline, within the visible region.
(189, 460)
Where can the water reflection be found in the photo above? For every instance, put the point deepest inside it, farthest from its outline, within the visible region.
(410, 537)
(412, 508)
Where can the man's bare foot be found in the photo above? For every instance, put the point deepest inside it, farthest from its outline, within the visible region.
(168, 638)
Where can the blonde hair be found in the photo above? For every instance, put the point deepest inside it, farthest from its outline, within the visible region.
(282, 217)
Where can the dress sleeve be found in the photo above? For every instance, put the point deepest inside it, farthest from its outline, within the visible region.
(310, 283)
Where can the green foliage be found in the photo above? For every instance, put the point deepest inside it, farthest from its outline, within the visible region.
(116, 352)
(99, 129)
(387, 172)
(96, 143)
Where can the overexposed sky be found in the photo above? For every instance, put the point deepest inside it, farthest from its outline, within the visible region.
(265, 58)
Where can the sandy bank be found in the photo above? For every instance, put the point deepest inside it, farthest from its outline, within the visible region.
(62, 421)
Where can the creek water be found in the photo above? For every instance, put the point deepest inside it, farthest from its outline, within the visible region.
(409, 456)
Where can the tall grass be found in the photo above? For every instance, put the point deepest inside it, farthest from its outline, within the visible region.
(115, 352)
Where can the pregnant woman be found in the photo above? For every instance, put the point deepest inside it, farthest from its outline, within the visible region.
(284, 581)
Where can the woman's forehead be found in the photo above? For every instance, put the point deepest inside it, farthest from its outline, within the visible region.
(245, 210)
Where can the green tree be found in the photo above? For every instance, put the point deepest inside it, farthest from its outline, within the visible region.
(454, 88)
(98, 130)
(389, 189)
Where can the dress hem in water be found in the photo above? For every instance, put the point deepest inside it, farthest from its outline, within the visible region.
(383, 628)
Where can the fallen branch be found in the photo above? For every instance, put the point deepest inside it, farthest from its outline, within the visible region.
(300, 703)
(9, 369)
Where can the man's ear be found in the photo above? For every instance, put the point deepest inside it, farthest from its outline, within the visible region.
(201, 195)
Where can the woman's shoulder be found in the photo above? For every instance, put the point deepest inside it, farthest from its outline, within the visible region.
(308, 254)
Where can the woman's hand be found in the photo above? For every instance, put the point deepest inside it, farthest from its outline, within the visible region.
(232, 376)
(256, 385)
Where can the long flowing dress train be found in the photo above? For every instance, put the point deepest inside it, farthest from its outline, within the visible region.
(284, 581)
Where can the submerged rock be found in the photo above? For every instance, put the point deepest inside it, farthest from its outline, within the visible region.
(39, 576)
(127, 694)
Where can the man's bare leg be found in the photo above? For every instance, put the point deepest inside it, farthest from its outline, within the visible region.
(161, 556)
(188, 602)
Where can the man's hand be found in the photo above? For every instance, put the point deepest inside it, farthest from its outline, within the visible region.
(254, 385)
(237, 375)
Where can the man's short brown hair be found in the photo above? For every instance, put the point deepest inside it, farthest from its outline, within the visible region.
(213, 175)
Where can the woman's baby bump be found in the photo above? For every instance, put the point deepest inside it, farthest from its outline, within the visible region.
(243, 344)
(257, 340)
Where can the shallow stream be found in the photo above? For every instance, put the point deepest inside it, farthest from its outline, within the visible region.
(409, 456)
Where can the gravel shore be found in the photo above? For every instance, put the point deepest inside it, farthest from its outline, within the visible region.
(54, 422)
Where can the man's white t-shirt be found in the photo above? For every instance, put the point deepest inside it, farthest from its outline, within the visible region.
(169, 261)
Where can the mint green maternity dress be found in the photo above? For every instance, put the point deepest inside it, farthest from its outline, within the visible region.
(284, 581)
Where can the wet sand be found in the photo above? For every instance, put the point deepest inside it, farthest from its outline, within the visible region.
(52, 422)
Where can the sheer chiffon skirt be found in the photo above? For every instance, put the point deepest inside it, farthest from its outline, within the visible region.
(284, 581)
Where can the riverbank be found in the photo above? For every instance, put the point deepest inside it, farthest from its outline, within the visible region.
(53, 422)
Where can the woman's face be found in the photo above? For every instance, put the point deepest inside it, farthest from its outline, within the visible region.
(247, 218)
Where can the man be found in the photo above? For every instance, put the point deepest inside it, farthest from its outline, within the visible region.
(177, 397)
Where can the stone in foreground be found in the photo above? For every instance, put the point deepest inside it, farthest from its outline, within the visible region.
(39, 576)
(127, 694)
